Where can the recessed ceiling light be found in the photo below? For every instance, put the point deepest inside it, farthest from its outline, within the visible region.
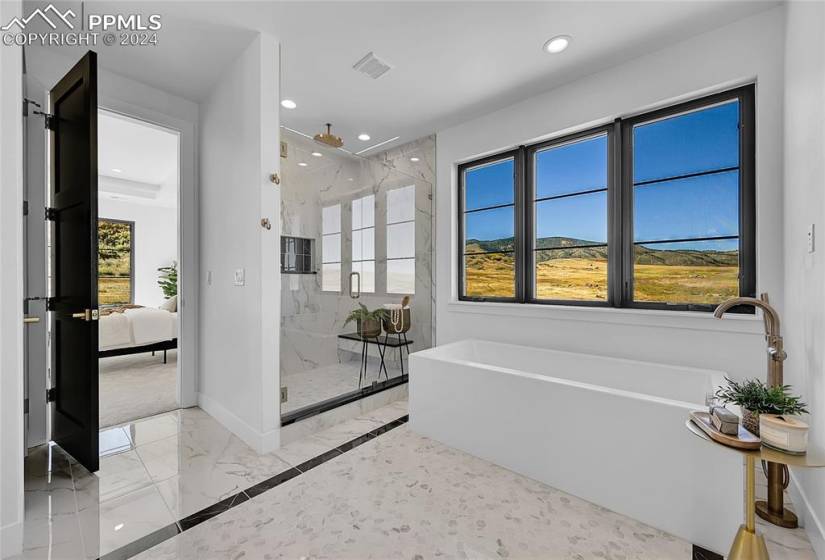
(414, 159)
(557, 44)
(119, 526)
(317, 154)
(288, 104)
(349, 178)
(363, 137)
(116, 170)
(302, 163)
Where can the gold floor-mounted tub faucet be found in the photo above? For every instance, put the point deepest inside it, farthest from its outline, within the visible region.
(774, 509)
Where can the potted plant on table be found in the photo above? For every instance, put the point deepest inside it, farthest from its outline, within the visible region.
(755, 398)
(368, 322)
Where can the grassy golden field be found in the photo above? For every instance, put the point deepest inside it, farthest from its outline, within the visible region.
(113, 290)
(586, 279)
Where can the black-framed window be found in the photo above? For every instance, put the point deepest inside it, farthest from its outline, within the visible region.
(115, 261)
(652, 211)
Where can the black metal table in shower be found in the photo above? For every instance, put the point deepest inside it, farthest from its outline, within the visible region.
(383, 342)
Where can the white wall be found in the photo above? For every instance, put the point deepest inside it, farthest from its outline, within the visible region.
(239, 324)
(135, 99)
(155, 243)
(804, 186)
(744, 51)
(11, 293)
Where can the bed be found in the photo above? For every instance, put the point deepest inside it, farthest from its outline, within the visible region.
(138, 330)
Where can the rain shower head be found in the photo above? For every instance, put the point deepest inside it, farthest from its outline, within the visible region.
(328, 138)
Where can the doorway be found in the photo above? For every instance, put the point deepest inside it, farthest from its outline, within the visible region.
(138, 255)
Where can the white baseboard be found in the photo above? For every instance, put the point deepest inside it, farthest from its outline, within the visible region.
(262, 442)
(808, 517)
(12, 539)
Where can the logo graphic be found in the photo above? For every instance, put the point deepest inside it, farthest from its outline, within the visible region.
(42, 14)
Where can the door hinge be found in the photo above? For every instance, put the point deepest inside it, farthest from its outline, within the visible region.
(51, 394)
(25, 207)
(51, 214)
(25, 406)
(284, 394)
(48, 119)
(50, 303)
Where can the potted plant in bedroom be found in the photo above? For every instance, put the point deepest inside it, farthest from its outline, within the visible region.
(368, 322)
(755, 398)
(168, 280)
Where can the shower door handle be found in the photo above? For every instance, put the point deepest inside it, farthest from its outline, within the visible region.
(355, 295)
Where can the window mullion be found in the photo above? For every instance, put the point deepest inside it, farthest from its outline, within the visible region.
(524, 228)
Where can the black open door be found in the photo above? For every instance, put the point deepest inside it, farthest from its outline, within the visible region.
(73, 159)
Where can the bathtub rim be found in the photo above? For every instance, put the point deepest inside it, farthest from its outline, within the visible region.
(431, 354)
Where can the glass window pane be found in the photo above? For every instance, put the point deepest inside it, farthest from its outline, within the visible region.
(367, 271)
(331, 248)
(331, 277)
(706, 206)
(114, 262)
(686, 272)
(363, 212)
(401, 276)
(574, 220)
(492, 275)
(569, 168)
(489, 185)
(572, 274)
(401, 204)
(331, 219)
(489, 230)
(401, 240)
(690, 143)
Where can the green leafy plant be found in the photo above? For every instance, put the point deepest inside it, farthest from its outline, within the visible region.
(168, 280)
(362, 314)
(755, 396)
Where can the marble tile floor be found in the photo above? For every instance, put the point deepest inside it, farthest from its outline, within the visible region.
(317, 385)
(339, 494)
(155, 475)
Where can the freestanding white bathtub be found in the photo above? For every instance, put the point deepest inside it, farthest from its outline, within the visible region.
(608, 430)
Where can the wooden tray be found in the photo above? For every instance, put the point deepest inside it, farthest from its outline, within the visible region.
(745, 440)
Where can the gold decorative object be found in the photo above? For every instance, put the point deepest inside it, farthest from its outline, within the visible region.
(275, 178)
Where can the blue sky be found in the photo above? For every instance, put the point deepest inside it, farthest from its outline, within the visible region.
(696, 207)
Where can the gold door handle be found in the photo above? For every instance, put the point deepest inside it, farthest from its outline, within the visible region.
(29, 320)
(86, 315)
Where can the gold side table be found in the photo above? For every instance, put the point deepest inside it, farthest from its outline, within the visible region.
(748, 544)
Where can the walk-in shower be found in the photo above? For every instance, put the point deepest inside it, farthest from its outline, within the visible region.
(354, 231)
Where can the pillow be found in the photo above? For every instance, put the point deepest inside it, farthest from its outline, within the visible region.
(170, 305)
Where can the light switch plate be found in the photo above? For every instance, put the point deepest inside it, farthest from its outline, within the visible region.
(240, 277)
(811, 238)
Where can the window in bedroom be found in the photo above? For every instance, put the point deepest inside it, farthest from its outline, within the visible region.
(401, 240)
(487, 226)
(363, 241)
(653, 211)
(331, 248)
(115, 262)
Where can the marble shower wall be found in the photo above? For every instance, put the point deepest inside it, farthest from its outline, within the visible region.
(310, 318)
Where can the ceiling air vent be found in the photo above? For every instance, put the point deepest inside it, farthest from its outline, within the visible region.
(372, 66)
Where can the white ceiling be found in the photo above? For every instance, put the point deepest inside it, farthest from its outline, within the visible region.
(451, 60)
(137, 162)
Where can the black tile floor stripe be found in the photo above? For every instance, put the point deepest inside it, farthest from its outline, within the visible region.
(209, 512)
(271, 483)
(700, 553)
(145, 543)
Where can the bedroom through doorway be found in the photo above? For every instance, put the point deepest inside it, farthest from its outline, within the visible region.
(138, 256)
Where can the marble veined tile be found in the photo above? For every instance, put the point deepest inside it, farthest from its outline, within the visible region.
(404, 496)
(120, 521)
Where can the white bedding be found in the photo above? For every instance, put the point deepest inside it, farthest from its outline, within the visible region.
(137, 327)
